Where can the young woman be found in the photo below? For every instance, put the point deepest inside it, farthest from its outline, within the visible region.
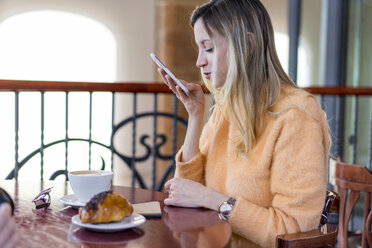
(261, 159)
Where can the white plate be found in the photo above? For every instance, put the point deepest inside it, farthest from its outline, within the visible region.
(71, 200)
(128, 222)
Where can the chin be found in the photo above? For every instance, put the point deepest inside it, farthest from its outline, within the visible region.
(217, 85)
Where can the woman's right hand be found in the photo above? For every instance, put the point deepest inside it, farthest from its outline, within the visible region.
(193, 104)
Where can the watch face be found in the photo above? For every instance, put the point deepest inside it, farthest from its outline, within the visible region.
(225, 208)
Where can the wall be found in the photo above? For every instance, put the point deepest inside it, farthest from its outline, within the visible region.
(131, 22)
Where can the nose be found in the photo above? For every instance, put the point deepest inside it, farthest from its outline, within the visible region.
(201, 61)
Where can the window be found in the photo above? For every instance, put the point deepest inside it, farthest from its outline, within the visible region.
(60, 46)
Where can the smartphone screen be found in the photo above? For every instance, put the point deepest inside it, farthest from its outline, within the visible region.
(176, 80)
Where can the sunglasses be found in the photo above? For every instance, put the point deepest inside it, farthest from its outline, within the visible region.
(4, 197)
(42, 199)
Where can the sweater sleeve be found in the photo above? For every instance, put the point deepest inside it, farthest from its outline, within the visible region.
(194, 168)
(298, 182)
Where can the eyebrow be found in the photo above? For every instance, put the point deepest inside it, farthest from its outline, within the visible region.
(203, 41)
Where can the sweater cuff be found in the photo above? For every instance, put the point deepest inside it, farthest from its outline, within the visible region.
(191, 169)
(249, 220)
(245, 208)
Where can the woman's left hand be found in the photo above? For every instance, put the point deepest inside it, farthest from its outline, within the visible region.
(187, 193)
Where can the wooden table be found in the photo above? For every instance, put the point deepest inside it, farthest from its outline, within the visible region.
(51, 227)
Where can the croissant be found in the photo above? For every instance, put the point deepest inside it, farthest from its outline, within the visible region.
(105, 207)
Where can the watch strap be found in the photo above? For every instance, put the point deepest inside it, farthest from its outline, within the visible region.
(231, 201)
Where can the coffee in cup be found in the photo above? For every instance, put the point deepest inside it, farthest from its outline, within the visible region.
(87, 183)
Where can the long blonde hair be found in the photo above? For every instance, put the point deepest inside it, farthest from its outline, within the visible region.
(254, 77)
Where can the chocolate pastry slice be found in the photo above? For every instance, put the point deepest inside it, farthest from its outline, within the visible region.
(105, 207)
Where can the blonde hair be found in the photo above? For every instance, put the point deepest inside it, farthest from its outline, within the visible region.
(254, 77)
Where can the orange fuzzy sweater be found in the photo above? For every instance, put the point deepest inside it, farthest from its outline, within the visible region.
(280, 185)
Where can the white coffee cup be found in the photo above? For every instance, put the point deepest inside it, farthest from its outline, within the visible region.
(87, 183)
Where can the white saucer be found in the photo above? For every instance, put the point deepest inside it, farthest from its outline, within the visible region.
(128, 222)
(72, 201)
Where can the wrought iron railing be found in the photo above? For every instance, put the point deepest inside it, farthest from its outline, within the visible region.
(349, 113)
(153, 149)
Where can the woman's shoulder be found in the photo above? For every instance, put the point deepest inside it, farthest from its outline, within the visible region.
(297, 100)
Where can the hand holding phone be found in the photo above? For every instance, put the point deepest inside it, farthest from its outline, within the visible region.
(176, 80)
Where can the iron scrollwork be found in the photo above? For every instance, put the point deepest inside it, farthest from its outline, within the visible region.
(153, 150)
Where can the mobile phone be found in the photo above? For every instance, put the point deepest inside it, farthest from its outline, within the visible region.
(176, 80)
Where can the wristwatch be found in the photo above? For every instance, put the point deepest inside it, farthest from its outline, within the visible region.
(225, 209)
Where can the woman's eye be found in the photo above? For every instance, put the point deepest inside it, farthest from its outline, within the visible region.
(208, 50)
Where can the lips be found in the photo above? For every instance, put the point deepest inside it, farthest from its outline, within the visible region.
(207, 75)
